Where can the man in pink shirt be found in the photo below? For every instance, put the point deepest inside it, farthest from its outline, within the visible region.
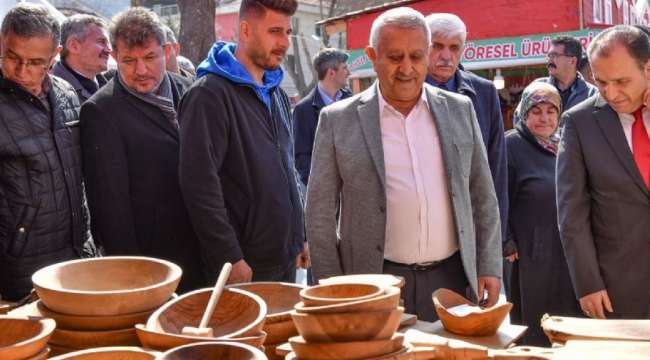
(407, 165)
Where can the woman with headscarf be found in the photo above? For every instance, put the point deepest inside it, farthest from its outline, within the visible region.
(540, 280)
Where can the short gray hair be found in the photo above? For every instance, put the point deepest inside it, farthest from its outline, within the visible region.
(76, 26)
(135, 27)
(30, 20)
(447, 26)
(402, 17)
(328, 58)
(170, 37)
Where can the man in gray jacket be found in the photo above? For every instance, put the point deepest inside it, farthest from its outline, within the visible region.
(407, 163)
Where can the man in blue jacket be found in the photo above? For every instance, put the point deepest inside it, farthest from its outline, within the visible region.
(448, 34)
(237, 171)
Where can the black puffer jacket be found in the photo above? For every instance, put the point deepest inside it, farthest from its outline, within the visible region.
(42, 220)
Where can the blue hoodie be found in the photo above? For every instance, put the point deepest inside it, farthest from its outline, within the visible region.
(221, 61)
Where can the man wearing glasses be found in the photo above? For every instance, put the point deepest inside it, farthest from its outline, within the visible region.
(42, 220)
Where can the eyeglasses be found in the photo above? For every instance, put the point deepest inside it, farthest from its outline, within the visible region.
(30, 64)
(554, 55)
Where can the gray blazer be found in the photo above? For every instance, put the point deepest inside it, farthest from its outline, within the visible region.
(348, 166)
(604, 210)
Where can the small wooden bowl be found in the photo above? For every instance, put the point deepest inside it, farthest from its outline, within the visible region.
(346, 350)
(92, 339)
(164, 341)
(106, 286)
(214, 350)
(320, 295)
(93, 323)
(485, 322)
(383, 280)
(347, 327)
(389, 300)
(110, 353)
(22, 338)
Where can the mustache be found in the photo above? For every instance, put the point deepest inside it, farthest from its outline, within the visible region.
(444, 63)
(551, 65)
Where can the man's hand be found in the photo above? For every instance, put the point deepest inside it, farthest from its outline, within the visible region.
(303, 260)
(240, 273)
(513, 257)
(492, 285)
(595, 304)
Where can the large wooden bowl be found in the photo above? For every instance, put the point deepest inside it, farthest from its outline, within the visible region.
(345, 327)
(106, 286)
(383, 280)
(485, 322)
(560, 329)
(214, 350)
(164, 341)
(22, 338)
(93, 323)
(346, 350)
(110, 353)
(320, 295)
(388, 300)
(92, 339)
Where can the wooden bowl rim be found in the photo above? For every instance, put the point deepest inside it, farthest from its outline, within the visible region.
(260, 317)
(257, 352)
(67, 332)
(389, 292)
(47, 327)
(378, 292)
(482, 312)
(176, 273)
(276, 317)
(143, 328)
(340, 279)
(301, 341)
(106, 349)
(294, 313)
(47, 312)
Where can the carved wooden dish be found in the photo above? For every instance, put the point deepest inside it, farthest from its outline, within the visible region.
(383, 280)
(388, 300)
(92, 339)
(320, 295)
(346, 350)
(110, 353)
(560, 329)
(214, 350)
(106, 286)
(344, 327)
(164, 341)
(22, 338)
(93, 323)
(485, 322)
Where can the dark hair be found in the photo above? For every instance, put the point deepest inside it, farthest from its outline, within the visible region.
(328, 58)
(583, 64)
(136, 27)
(572, 46)
(257, 8)
(76, 26)
(635, 41)
(30, 20)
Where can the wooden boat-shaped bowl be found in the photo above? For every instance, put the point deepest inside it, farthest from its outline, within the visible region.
(346, 350)
(22, 337)
(560, 329)
(485, 322)
(110, 353)
(388, 300)
(106, 286)
(320, 295)
(214, 350)
(93, 323)
(345, 327)
(383, 280)
(73, 339)
(164, 341)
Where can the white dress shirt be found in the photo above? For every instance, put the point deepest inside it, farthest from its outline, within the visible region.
(419, 215)
(627, 120)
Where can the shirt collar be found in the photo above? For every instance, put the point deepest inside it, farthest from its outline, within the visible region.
(326, 99)
(450, 85)
(384, 105)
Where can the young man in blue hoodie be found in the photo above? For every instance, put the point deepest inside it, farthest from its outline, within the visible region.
(237, 170)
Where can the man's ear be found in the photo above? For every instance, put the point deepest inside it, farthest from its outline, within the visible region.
(371, 53)
(646, 70)
(167, 48)
(244, 29)
(73, 45)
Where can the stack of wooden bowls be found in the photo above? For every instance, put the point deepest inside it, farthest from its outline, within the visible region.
(280, 300)
(238, 317)
(347, 321)
(22, 338)
(96, 302)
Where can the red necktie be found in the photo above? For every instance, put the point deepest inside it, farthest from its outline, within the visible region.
(641, 146)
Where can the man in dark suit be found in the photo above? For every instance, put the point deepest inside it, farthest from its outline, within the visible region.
(603, 176)
(333, 73)
(130, 146)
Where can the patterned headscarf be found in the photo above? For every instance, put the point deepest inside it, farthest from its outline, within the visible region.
(537, 93)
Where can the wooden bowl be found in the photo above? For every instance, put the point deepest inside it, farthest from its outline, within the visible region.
(22, 338)
(389, 300)
(106, 286)
(238, 313)
(346, 327)
(41, 355)
(485, 322)
(164, 341)
(320, 295)
(73, 339)
(280, 298)
(383, 280)
(110, 353)
(280, 331)
(214, 350)
(93, 323)
(346, 350)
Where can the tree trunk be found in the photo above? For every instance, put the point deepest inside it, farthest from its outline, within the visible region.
(197, 28)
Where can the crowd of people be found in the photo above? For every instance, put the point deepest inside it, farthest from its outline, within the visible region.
(414, 176)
